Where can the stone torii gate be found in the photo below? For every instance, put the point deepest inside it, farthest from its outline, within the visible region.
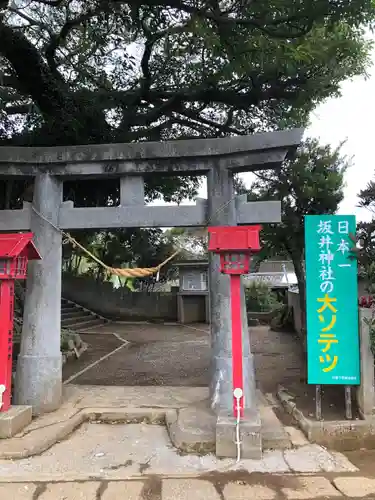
(39, 369)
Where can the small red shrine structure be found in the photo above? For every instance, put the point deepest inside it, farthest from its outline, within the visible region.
(15, 251)
(235, 244)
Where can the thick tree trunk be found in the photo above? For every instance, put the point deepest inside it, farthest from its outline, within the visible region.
(71, 120)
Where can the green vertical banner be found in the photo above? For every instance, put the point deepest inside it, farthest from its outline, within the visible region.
(331, 300)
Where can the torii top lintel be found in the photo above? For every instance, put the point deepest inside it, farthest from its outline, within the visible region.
(180, 157)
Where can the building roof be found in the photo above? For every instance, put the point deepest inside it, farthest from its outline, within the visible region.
(16, 244)
(192, 263)
(276, 266)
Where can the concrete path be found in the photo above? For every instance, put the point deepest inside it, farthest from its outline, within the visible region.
(135, 461)
(123, 451)
(118, 442)
(219, 487)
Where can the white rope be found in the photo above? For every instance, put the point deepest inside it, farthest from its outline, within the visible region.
(238, 393)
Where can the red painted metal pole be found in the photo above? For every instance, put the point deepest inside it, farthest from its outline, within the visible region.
(237, 373)
(6, 340)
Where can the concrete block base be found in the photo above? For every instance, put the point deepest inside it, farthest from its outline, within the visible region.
(250, 437)
(192, 430)
(274, 435)
(39, 388)
(195, 430)
(338, 435)
(14, 420)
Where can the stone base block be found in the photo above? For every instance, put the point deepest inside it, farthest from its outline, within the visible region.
(39, 382)
(192, 430)
(14, 420)
(250, 437)
(274, 435)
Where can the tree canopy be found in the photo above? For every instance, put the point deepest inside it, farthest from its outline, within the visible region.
(365, 252)
(310, 184)
(101, 71)
(97, 71)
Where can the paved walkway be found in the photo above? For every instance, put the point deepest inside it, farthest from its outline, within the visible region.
(135, 461)
(121, 451)
(102, 461)
(80, 441)
(218, 487)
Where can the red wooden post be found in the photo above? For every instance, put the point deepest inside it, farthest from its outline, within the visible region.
(6, 341)
(235, 302)
(15, 251)
(235, 245)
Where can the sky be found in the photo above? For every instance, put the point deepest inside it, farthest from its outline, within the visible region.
(349, 118)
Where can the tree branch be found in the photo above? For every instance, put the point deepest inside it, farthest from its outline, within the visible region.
(31, 20)
(57, 39)
(222, 19)
(52, 3)
(62, 112)
(166, 101)
(32, 72)
(222, 127)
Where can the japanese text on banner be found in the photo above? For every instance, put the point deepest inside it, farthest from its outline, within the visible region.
(328, 294)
